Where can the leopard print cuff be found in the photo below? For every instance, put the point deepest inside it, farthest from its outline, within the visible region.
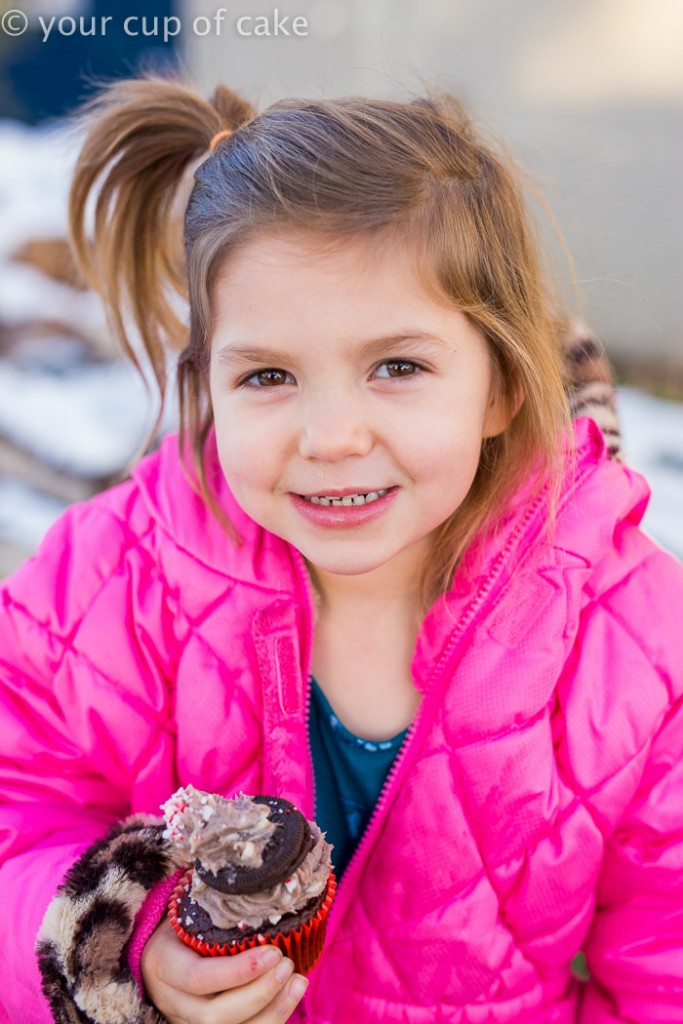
(82, 942)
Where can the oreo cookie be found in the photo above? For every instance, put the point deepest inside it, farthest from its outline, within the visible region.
(282, 854)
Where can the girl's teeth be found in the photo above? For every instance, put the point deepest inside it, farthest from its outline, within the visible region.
(348, 499)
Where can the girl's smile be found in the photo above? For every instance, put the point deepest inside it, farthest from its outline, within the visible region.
(349, 404)
(354, 508)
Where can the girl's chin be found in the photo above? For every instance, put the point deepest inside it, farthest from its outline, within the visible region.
(342, 567)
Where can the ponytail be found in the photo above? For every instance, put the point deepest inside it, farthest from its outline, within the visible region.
(141, 136)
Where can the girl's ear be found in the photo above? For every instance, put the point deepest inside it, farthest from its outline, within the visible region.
(501, 410)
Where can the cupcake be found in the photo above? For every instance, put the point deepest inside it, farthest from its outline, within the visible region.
(261, 873)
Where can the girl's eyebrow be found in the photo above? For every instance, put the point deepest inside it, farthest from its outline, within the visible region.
(269, 356)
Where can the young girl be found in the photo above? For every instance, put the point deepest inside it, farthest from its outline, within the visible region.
(379, 573)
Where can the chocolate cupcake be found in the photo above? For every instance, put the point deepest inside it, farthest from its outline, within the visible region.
(261, 874)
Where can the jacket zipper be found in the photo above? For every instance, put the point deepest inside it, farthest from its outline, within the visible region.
(310, 638)
(310, 635)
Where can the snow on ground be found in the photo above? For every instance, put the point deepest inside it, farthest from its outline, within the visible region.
(89, 422)
(653, 443)
(25, 514)
(36, 165)
(35, 169)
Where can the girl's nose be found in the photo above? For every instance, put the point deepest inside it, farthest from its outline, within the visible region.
(333, 427)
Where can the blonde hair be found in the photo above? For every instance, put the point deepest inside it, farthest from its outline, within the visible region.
(341, 168)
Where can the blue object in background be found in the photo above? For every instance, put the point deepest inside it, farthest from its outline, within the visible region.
(45, 78)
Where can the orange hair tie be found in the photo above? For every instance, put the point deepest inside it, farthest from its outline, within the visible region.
(226, 133)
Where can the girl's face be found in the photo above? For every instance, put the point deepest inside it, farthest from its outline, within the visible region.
(334, 375)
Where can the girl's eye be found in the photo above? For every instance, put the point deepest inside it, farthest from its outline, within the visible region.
(270, 378)
(398, 368)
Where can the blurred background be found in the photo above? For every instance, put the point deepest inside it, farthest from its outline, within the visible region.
(588, 95)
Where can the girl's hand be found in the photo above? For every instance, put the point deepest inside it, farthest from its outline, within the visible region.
(186, 988)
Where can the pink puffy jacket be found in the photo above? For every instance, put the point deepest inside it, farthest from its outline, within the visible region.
(535, 810)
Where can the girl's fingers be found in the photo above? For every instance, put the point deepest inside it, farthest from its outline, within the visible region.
(241, 1004)
(186, 988)
(181, 968)
(204, 976)
(234, 1006)
(284, 1003)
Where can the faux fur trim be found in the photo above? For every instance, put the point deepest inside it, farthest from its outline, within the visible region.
(590, 383)
(82, 941)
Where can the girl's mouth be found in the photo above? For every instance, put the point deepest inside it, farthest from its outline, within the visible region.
(347, 500)
(344, 510)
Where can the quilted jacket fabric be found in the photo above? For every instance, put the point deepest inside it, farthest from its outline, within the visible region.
(536, 808)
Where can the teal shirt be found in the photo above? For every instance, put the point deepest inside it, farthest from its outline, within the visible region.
(349, 775)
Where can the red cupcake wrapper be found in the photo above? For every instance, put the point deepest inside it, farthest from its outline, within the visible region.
(303, 945)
